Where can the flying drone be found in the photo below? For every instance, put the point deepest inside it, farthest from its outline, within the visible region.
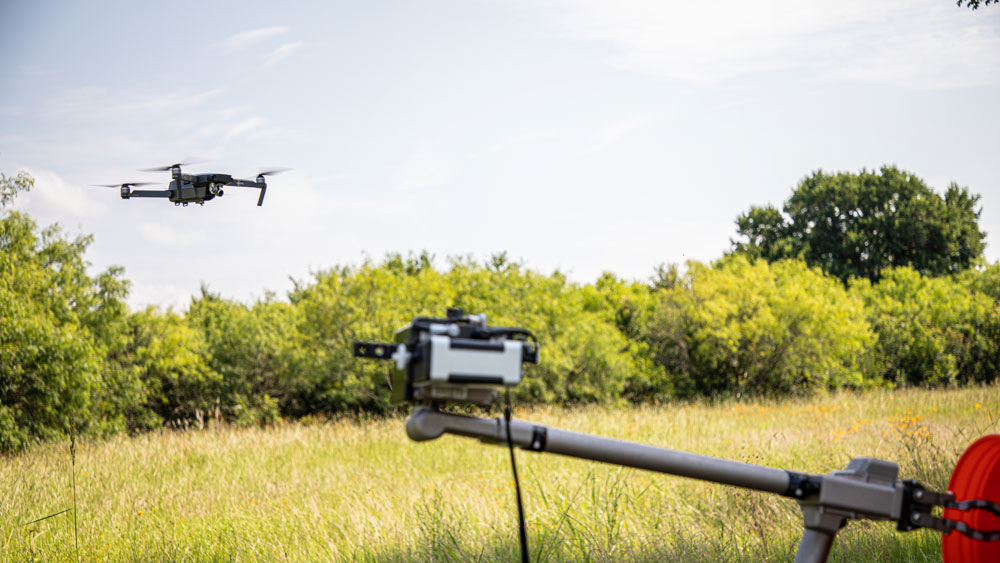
(193, 188)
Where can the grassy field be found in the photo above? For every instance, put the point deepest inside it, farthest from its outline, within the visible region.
(349, 490)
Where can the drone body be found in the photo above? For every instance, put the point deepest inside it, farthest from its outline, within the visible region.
(194, 188)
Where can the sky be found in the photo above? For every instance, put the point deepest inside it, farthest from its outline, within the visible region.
(584, 137)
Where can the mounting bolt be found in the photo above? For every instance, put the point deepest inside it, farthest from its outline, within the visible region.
(915, 517)
(918, 494)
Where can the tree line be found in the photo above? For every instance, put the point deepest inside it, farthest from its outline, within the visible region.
(771, 317)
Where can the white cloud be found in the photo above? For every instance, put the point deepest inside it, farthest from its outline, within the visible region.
(159, 294)
(621, 128)
(244, 127)
(169, 101)
(94, 103)
(281, 53)
(54, 196)
(929, 58)
(425, 168)
(159, 233)
(74, 102)
(911, 43)
(242, 40)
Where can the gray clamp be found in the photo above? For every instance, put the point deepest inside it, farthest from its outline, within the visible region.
(918, 504)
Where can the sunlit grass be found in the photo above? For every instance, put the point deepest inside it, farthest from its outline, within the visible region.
(346, 490)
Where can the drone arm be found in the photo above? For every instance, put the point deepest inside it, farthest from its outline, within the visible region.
(149, 193)
(261, 185)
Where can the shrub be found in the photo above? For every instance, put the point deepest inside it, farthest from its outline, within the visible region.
(767, 329)
(931, 330)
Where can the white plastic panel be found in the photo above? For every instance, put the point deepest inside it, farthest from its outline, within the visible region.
(485, 364)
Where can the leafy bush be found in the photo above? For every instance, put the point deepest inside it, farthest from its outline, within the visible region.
(758, 328)
(170, 357)
(251, 350)
(58, 325)
(984, 279)
(931, 330)
(585, 357)
(73, 358)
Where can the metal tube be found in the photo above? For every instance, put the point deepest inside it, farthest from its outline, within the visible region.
(427, 424)
(815, 546)
(664, 460)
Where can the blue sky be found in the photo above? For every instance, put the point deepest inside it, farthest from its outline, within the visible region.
(580, 136)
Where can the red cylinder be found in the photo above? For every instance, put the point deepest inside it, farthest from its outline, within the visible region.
(977, 476)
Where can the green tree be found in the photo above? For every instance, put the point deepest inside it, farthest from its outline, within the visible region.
(758, 328)
(251, 350)
(585, 357)
(861, 224)
(931, 330)
(984, 279)
(10, 186)
(58, 327)
(170, 358)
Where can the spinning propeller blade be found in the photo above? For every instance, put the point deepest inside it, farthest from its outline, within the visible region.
(187, 162)
(124, 184)
(272, 171)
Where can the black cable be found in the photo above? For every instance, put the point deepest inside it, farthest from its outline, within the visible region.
(517, 483)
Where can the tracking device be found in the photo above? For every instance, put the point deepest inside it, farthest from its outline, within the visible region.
(457, 359)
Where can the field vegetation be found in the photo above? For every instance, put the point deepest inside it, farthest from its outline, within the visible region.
(756, 322)
(860, 319)
(349, 489)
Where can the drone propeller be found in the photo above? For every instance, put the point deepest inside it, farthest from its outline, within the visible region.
(272, 172)
(171, 166)
(124, 184)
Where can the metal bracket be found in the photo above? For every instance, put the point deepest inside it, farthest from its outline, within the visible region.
(376, 350)
(919, 503)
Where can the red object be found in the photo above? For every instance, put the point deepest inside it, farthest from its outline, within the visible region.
(977, 476)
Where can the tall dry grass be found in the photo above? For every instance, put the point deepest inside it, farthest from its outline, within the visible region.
(360, 490)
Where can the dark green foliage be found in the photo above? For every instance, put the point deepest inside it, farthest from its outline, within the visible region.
(857, 225)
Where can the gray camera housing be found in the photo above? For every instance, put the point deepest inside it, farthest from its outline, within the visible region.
(457, 359)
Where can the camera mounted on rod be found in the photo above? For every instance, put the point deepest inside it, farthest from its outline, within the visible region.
(460, 359)
(457, 359)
